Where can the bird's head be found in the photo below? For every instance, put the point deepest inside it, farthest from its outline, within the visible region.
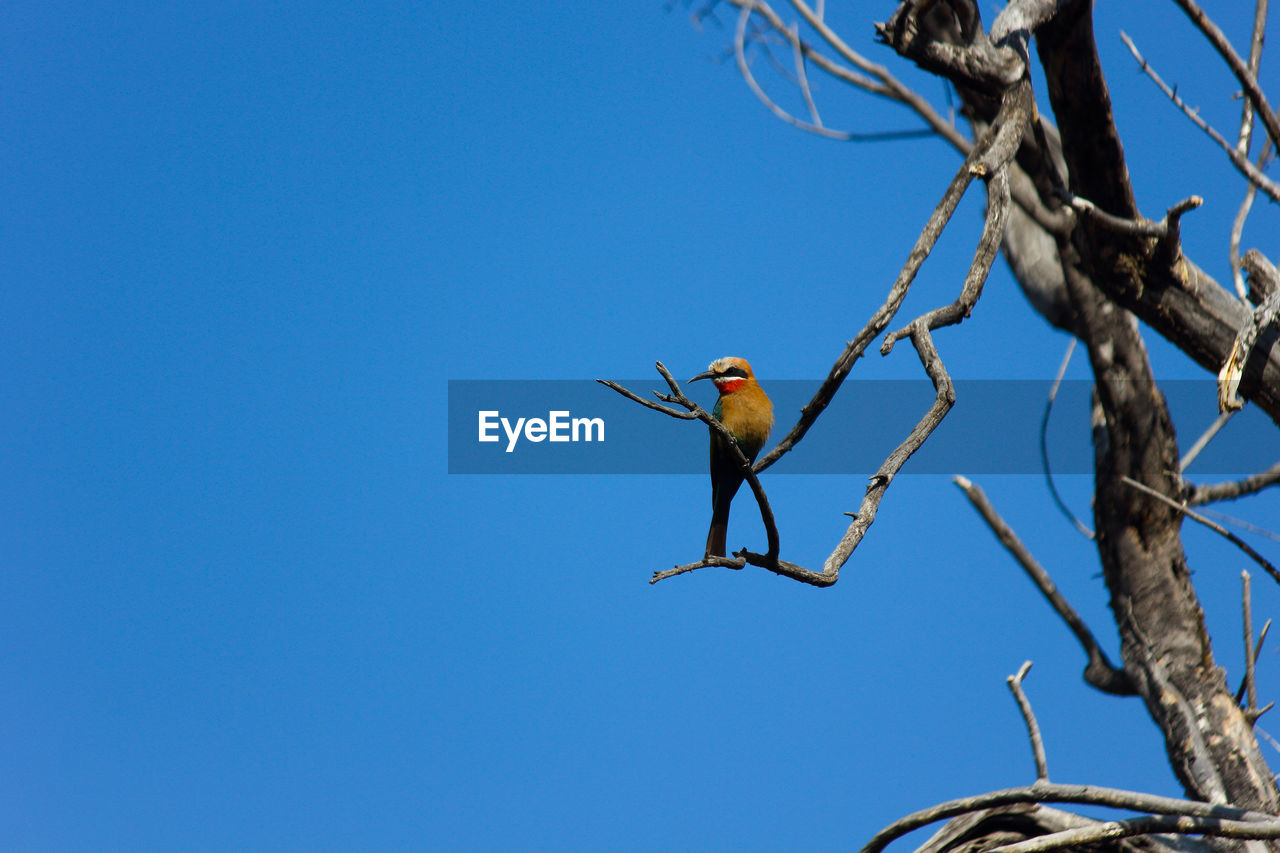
(729, 374)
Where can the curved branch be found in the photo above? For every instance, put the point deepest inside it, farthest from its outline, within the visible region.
(739, 52)
(1049, 792)
(895, 89)
(880, 83)
(1044, 445)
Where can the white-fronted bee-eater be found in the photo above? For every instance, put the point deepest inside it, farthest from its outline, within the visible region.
(747, 414)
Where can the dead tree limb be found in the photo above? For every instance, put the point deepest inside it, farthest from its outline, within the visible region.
(1099, 672)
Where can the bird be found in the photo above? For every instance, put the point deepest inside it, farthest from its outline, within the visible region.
(746, 412)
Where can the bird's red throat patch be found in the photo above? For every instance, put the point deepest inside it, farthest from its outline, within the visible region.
(728, 384)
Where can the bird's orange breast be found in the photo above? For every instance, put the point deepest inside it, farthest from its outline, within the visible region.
(748, 414)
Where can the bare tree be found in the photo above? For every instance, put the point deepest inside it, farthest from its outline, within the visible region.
(1060, 205)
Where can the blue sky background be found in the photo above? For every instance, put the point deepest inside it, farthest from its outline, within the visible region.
(244, 606)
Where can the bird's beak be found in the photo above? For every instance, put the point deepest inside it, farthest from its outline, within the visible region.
(707, 375)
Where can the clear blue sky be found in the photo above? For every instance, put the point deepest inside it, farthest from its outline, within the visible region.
(243, 605)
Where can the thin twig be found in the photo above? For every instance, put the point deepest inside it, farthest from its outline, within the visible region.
(895, 89)
(1248, 79)
(1242, 524)
(1212, 525)
(1044, 444)
(802, 77)
(944, 399)
(1243, 142)
(1241, 163)
(1029, 717)
(884, 85)
(1099, 672)
(744, 68)
(1245, 138)
(687, 416)
(1198, 495)
(1246, 603)
(1203, 441)
(1237, 226)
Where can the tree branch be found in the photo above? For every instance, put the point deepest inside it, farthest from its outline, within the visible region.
(1099, 672)
(1240, 161)
(880, 319)
(1048, 792)
(1212, 525)
(1248, 79)
(1200, 495)
(995, 164)
(1084, 836)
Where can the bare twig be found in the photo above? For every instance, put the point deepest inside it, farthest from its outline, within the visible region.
(739, 52)
(1248, 79)
(1243, 141)
(687, 416)
(1212, 525)
(1049, 792)
(1249, 687)
(1135, 227)
(1241, 162)
(1203, 441)
(875, 80)
(892, 87)
(1029, 717)
(1257, 649)
(1245, 137)
(802, 76)
(984, 257)
(1237, 225)
(1044, 444)
(1199, 495)
(1085, 836)
(1242, 524)
(1246, 603)
(1099, 672)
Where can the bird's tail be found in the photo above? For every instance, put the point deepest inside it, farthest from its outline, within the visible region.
(719, 529)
